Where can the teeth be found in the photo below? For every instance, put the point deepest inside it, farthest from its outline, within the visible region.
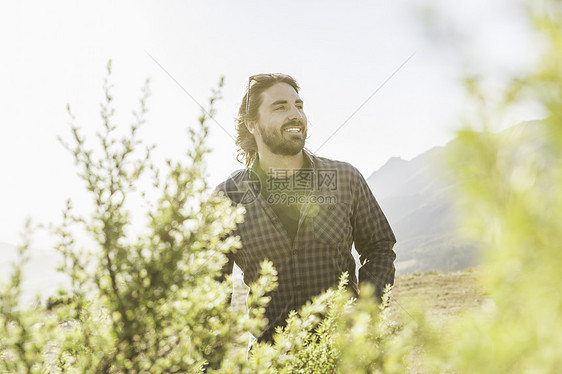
(293, 129)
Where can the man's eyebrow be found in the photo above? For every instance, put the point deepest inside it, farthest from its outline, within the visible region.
(278, 102)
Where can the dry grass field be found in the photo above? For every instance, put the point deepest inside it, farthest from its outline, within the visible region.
(444, 295)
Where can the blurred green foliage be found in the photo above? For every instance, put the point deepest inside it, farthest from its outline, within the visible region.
(512, 199)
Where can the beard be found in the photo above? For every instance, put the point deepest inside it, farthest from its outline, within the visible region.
(284, 143)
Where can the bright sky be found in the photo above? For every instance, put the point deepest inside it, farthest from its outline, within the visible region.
(55, 52)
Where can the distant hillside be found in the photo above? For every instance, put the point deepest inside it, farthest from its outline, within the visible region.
(418, 197)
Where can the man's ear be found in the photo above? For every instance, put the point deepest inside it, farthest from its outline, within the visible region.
(252, 127)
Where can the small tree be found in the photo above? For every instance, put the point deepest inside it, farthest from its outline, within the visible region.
(148, 304)
(156, 298)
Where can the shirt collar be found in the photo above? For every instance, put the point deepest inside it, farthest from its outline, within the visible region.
(309, 162)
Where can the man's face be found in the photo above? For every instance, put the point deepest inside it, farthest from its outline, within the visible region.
(282, 123)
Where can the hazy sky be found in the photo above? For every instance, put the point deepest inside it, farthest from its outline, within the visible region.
(55, 52)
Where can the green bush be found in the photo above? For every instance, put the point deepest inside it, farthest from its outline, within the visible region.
(144, 304)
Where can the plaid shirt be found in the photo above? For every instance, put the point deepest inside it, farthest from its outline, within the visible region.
(339, 210)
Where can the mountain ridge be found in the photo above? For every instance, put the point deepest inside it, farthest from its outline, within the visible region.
(419, 198)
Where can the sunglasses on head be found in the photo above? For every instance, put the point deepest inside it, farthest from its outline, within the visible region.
(261, 78)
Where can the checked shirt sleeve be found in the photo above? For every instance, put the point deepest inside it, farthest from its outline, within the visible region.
(373, 237)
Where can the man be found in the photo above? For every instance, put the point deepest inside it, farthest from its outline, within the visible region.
(303, 212)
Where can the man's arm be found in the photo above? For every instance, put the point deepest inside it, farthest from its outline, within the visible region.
(373, 238)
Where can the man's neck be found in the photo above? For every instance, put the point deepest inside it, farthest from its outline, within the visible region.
(271, 162)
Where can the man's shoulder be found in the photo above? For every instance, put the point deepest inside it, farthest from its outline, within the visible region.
(341, 166)
(341, 175)
(234, 181)
(241, 186)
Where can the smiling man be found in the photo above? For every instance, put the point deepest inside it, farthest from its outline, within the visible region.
(303, 212)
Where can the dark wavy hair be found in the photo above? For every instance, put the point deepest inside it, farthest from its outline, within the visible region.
(247, 147)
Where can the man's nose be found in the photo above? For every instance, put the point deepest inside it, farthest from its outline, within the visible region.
(296, 113)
